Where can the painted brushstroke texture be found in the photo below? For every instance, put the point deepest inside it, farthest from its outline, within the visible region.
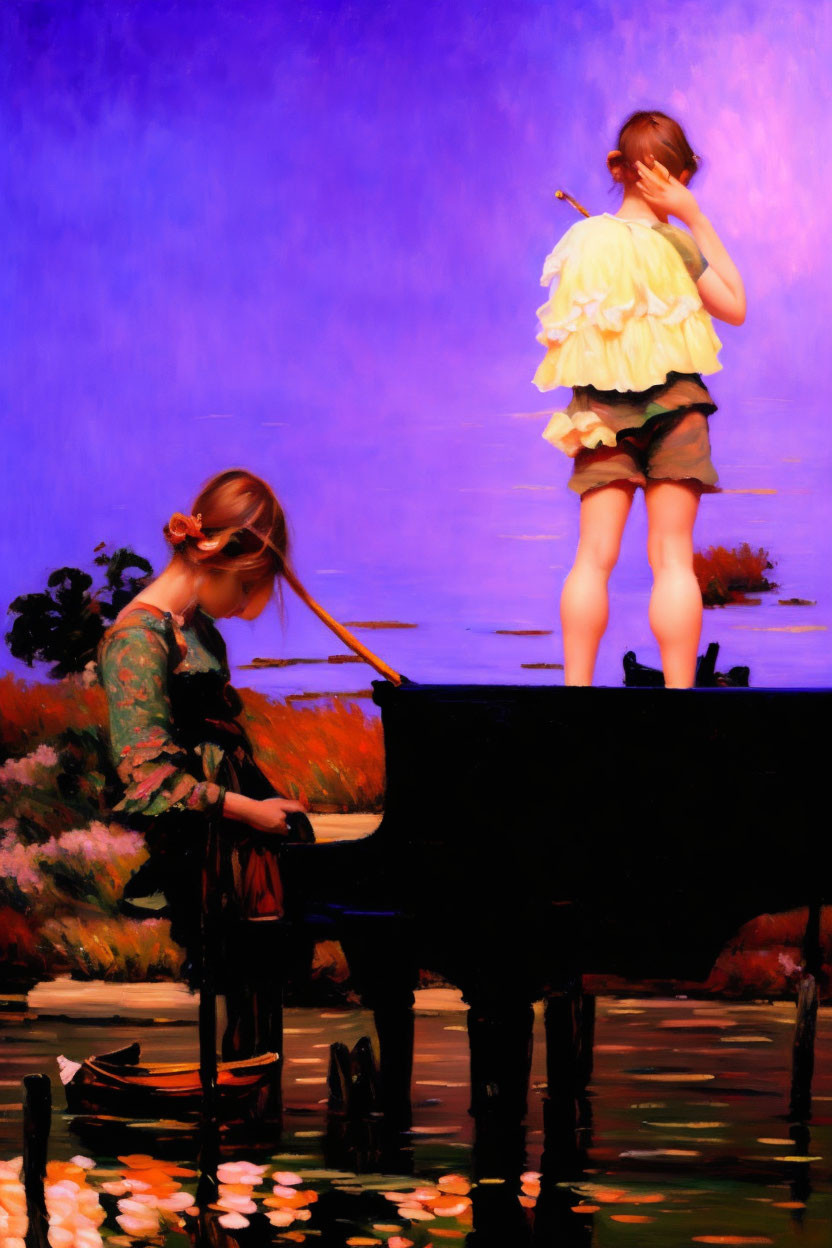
(307, 239)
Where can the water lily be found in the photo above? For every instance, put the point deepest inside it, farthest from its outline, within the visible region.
(142, 1228)
(280, 1217)
(13, 1220)
(233, 1203)
(176, 1203)
(454, 1184)
(233, 1221)
(240, 1172)
(287, 1178)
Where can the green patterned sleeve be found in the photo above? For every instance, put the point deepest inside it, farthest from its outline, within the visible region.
(687, 247)
(152, 767)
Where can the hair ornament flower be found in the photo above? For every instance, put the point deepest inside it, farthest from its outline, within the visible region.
(181, 527)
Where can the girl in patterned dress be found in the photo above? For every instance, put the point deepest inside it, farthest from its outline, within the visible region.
(629, 329)
(185, 761)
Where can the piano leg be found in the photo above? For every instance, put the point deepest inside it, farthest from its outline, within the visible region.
(500, 1035)
(384, 972)
(569, 1018)
(587, 1038)
(500, 1221)
(394, 1028)
(555, 1219)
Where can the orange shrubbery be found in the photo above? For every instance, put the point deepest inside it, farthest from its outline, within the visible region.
(766, 953)
(19, 952)
(31, 713)
(330, 757)
(97, 947)
(725, 575)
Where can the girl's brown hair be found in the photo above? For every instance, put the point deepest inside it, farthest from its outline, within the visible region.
(651, 134)
(241, 514)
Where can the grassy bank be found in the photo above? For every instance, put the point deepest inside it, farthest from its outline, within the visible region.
(64, 860)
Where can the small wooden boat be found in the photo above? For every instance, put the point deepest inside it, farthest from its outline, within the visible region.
(119, 1083)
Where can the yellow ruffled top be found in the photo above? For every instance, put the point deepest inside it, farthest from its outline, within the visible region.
(625, 313)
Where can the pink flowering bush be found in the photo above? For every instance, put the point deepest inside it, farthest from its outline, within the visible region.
(58, 902)
(92, 865)
(32, 768)
(87, 866)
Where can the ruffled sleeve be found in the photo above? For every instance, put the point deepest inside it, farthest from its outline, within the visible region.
(557, 256)
(625, 313)
(153, 768)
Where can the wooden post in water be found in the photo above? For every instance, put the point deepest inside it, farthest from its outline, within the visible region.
(803, 1051)
(37, 1120)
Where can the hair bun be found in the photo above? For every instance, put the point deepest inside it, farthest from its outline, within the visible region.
(180, 527)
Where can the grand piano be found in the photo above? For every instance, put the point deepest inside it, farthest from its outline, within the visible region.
(534, 834)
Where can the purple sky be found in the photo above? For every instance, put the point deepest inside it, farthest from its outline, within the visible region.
(307, 239)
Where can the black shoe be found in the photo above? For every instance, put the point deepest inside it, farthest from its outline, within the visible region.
(638, 675)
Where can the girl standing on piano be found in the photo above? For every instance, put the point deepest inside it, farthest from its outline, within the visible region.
(184, 759)
(629, 329)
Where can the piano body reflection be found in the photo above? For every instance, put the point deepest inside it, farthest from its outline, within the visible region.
(532, 834)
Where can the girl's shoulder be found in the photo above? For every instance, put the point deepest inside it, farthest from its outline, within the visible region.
(138, 636)
(161, 637)
(137, 621)
(598, 246)
(687, 247)
(682, 242)
(584, 241)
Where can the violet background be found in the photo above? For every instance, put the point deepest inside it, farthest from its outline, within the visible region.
(307, 239)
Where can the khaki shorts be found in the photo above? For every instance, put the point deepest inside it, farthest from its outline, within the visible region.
(675, 447)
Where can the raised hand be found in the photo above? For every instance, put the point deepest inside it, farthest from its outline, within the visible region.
(664, 193)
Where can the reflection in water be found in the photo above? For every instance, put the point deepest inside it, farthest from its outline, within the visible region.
(673, 1159)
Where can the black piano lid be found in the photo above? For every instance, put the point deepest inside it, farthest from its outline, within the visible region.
(777, 737)
(384, 692)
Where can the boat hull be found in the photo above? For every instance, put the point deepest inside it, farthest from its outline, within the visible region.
(171, 1090)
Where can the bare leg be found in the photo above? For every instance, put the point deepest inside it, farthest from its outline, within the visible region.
(584, 602)
(676, 600)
